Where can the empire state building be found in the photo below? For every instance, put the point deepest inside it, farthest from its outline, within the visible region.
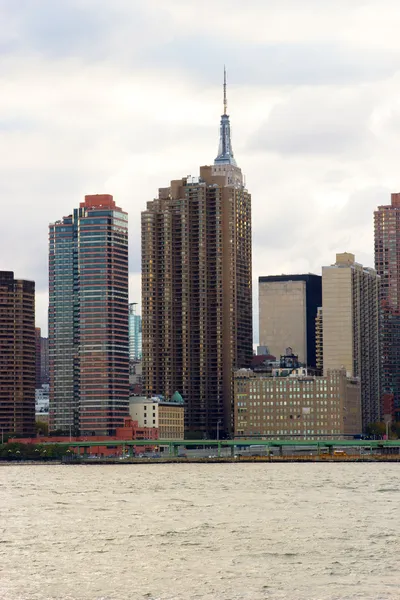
(197, 289)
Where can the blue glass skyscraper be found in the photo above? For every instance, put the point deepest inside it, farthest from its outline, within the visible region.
(135, 333)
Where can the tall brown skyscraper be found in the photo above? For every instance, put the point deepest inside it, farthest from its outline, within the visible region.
(17, 355)
(38, 359)
(197, 289)
(387, 265)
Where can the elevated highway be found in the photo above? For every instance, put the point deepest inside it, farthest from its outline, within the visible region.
(235, 445)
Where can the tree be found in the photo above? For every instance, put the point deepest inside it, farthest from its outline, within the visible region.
(18, 451)
(396, 428)
(377, 429)
(42, 428)
(59, 433)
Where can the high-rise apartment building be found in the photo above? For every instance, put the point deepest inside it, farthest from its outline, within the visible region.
(88, 318)
(17, 355)
(350, 305)
(38, 358)
(387, 265)
(288, 307)
(44, 360)
(135, 333)
(196, 289)
(319, 341)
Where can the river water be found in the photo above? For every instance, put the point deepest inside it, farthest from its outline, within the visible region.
(200, 532)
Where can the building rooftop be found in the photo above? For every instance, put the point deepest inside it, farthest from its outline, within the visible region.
(296, 277)
(175, 400)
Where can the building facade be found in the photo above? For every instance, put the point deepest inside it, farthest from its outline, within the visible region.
(197, 291)
(387, 265)
(297, 406)
(135, 333)
(88, 319)
(350, 305)
(38, 358)
(319, 341)
(17, 355)
(42, 396)
(44, 360)
(166, 416)
(288, 307)
(135, 378)
(42, 399)
(130, 430)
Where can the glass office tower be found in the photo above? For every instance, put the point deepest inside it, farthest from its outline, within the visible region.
(88, 319)
(135, 333)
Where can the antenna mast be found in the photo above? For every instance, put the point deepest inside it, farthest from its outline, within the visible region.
(225, 100)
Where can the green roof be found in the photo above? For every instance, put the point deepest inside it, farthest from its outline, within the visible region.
(176, 397)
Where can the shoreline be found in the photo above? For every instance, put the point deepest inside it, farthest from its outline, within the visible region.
(222, 460)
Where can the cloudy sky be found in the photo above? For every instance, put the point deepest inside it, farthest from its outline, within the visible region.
(120, 96)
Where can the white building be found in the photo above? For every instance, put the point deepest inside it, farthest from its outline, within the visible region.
(42, 399)
(166, 416)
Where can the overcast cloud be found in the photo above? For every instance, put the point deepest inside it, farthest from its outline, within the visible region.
(121, 96)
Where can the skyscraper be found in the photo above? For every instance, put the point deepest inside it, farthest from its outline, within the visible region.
(44, 360)
(38, 358)
(88, 318)
(387, 265)
(319, 340)
(135, 333)
(196, 289)
(288, 307)
(17, 355)
(350, 317)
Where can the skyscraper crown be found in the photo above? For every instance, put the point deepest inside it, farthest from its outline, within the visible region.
(225, 152)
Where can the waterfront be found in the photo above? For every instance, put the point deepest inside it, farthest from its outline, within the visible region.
(199, 532)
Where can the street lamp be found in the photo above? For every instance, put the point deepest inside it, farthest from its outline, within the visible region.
(388, 421)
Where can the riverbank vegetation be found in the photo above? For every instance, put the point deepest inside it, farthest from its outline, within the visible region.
(15, 451)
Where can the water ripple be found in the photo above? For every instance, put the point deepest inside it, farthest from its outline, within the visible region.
(200, 532)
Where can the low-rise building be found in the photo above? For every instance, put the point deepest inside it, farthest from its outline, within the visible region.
(42, 404)
(42, 399)
(166, 415)
(297, 405)
(131, 430)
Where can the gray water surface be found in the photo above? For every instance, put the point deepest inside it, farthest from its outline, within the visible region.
(200, 532)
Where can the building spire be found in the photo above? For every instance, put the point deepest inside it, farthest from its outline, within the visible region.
(225, 100)
(225, 152)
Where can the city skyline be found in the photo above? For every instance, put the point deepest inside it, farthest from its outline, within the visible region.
(199, 299)
(104, 106)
